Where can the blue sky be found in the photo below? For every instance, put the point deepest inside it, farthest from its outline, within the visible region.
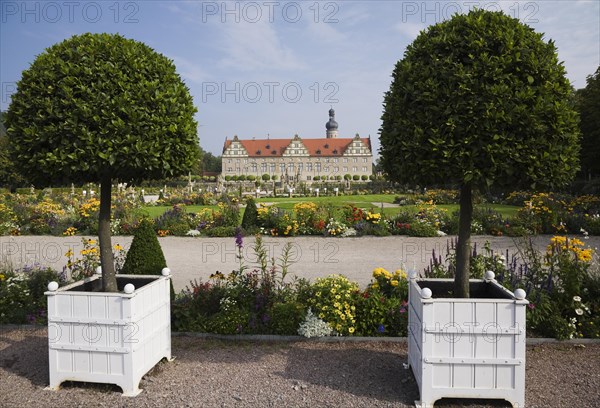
(275, 67)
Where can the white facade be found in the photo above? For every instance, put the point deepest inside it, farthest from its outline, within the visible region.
(298, 159)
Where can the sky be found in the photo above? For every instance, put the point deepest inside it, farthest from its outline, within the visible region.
(261, 69)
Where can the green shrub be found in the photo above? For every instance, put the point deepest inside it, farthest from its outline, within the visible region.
(176, 221)
(145, 256)
(22, 298)
(250, 215)
(220, 232)
(286, 318)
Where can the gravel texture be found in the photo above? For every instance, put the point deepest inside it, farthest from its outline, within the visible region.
(218, 373)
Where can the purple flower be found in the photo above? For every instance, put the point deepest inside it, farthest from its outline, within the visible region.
(381, 328)
(239, 239)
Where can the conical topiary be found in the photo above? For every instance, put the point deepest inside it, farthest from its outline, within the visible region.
(145, 256)
(249, 221)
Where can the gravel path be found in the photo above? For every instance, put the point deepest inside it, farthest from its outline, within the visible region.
(214, 373)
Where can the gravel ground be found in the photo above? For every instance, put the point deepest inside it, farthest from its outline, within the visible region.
(217, 373)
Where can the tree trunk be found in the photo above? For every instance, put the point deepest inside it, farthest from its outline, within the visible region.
(109, 280)
(463, 248)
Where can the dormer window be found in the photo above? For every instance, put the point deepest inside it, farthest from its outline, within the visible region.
(326, 146)
(258, 152)
(273, 151)
(318, 151)
(268, 146)
(334, 151)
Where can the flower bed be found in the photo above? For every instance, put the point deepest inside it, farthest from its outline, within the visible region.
(563, 286)
(64, 213)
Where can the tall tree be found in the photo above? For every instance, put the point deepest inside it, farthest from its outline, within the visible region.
(479, 100)
(100, 107)
(588, 105)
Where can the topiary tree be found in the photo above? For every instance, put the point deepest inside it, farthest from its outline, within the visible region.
(250, 218)
(97, 108)
(364, 177)
(347, 177)
(356, 177)
(588, 105)
(266, 177)
(479, 100)
(145, 256)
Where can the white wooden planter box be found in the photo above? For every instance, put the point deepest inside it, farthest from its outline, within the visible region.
(112, 338)
(467, 348)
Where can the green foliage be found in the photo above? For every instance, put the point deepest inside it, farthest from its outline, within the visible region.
(98, 105)
(22, 298)
(211, 163)
(480, 99)
(334, 302)
(176, 221)
(249, 221)
(145, 256)
(588, 106)
(221, 232)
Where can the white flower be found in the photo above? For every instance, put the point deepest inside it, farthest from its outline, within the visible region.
(314, 327)
(193, 233)
(578, 311)
(576, 298)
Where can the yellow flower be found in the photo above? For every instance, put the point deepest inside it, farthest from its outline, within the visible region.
(351, 330)
(69, 253)
(394, 282)
(118, 247)
(91, 242)
(2, 277)
(69, 232)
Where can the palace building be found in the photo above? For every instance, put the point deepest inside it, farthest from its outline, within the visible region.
(297, 159)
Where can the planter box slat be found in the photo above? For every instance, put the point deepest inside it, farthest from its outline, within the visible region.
(108, 337)
(467, 348)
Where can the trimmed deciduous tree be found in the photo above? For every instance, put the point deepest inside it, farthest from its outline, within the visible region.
(479, 100)
(588, 105)
(99, 108)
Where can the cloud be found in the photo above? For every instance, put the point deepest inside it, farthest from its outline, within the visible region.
(189, 70)
(410, 30)
(256, 46)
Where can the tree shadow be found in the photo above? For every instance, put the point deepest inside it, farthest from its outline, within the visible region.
(358, 369)
(24, 352)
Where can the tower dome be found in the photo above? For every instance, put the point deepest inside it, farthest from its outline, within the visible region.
(331, 125)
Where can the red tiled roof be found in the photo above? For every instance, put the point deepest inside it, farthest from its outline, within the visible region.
(322, 147)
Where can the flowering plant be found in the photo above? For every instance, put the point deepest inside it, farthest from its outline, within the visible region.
(334, 303)
(335, 228)
(312, 326)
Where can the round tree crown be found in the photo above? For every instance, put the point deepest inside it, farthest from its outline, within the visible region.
(101, 105)
(480, 99)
